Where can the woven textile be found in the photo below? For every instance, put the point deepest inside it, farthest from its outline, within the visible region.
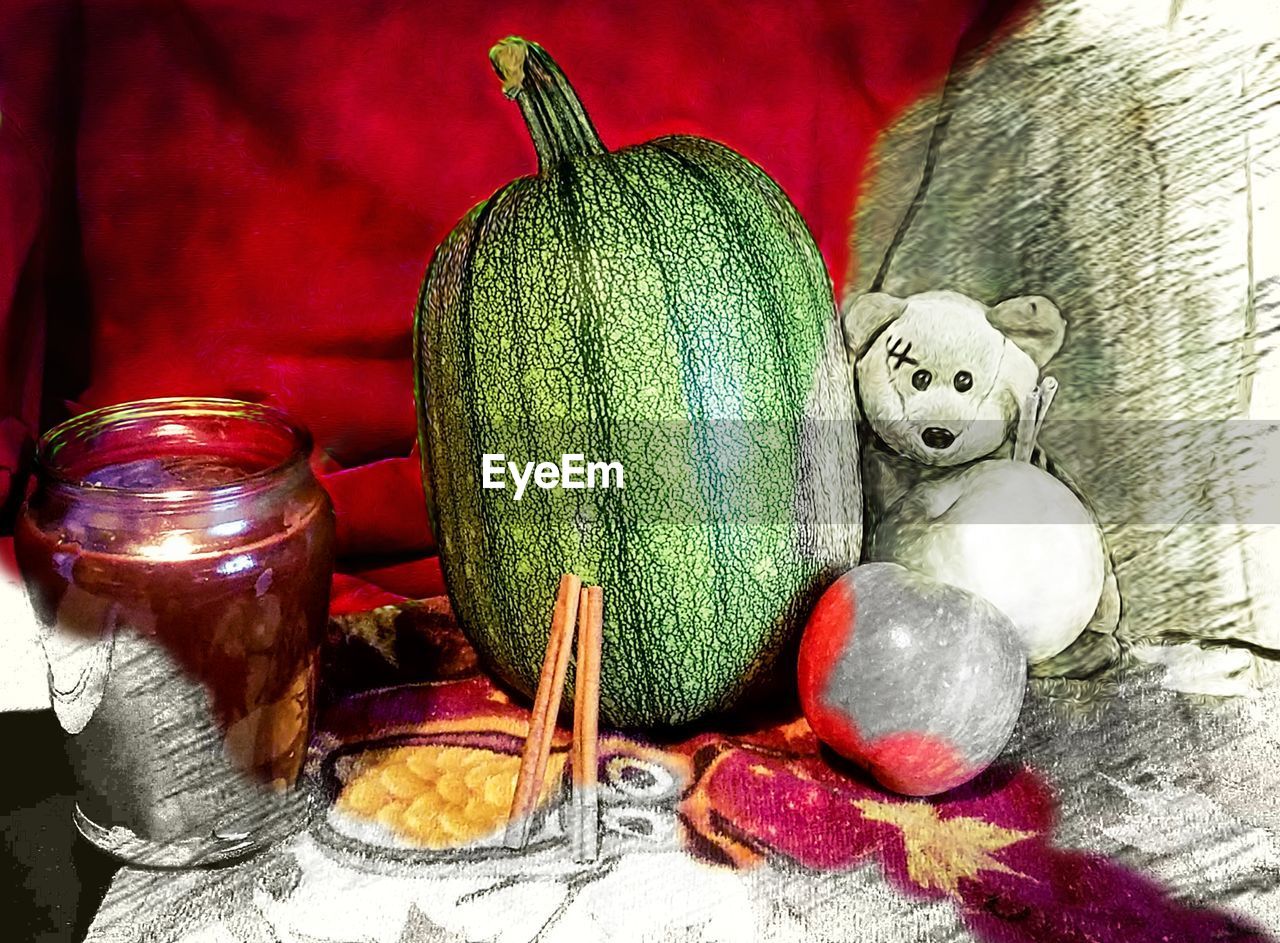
(1135, 818)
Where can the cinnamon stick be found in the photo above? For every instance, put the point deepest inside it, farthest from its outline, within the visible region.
(546, 707)
(586, 727)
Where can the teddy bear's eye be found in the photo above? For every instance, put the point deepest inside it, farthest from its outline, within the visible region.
(921, 379)
(963, 381)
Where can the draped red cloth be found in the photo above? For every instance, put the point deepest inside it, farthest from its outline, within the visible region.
(226, 197)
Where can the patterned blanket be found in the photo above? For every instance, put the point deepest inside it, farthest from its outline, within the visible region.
(1125, 814)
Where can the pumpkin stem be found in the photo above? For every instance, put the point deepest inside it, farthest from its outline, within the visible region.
(555, 117)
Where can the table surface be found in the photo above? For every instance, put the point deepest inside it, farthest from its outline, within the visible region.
(1146, 816)
(1150, 783)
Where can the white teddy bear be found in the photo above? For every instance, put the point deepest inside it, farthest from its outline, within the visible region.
(948, 388)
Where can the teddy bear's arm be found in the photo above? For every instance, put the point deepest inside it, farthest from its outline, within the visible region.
(887, 476)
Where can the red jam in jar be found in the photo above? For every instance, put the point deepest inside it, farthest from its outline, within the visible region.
(178, 554)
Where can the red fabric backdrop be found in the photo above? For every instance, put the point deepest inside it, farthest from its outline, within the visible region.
(230, 197)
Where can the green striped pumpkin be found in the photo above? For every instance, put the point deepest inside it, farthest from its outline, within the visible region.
(663, 307)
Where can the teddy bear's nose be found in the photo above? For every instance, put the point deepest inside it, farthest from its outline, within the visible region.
(937, 438)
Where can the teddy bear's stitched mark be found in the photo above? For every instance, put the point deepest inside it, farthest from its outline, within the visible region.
(897, 350)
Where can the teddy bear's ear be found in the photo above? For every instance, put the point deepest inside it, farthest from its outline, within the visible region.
(1034, 323)
(864, 317)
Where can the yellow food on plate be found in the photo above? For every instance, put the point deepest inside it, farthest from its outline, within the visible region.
(436, 796)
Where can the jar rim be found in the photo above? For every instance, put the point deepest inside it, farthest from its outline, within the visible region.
(103, 417)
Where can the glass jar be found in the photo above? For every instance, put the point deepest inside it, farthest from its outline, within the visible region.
(178, 554)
